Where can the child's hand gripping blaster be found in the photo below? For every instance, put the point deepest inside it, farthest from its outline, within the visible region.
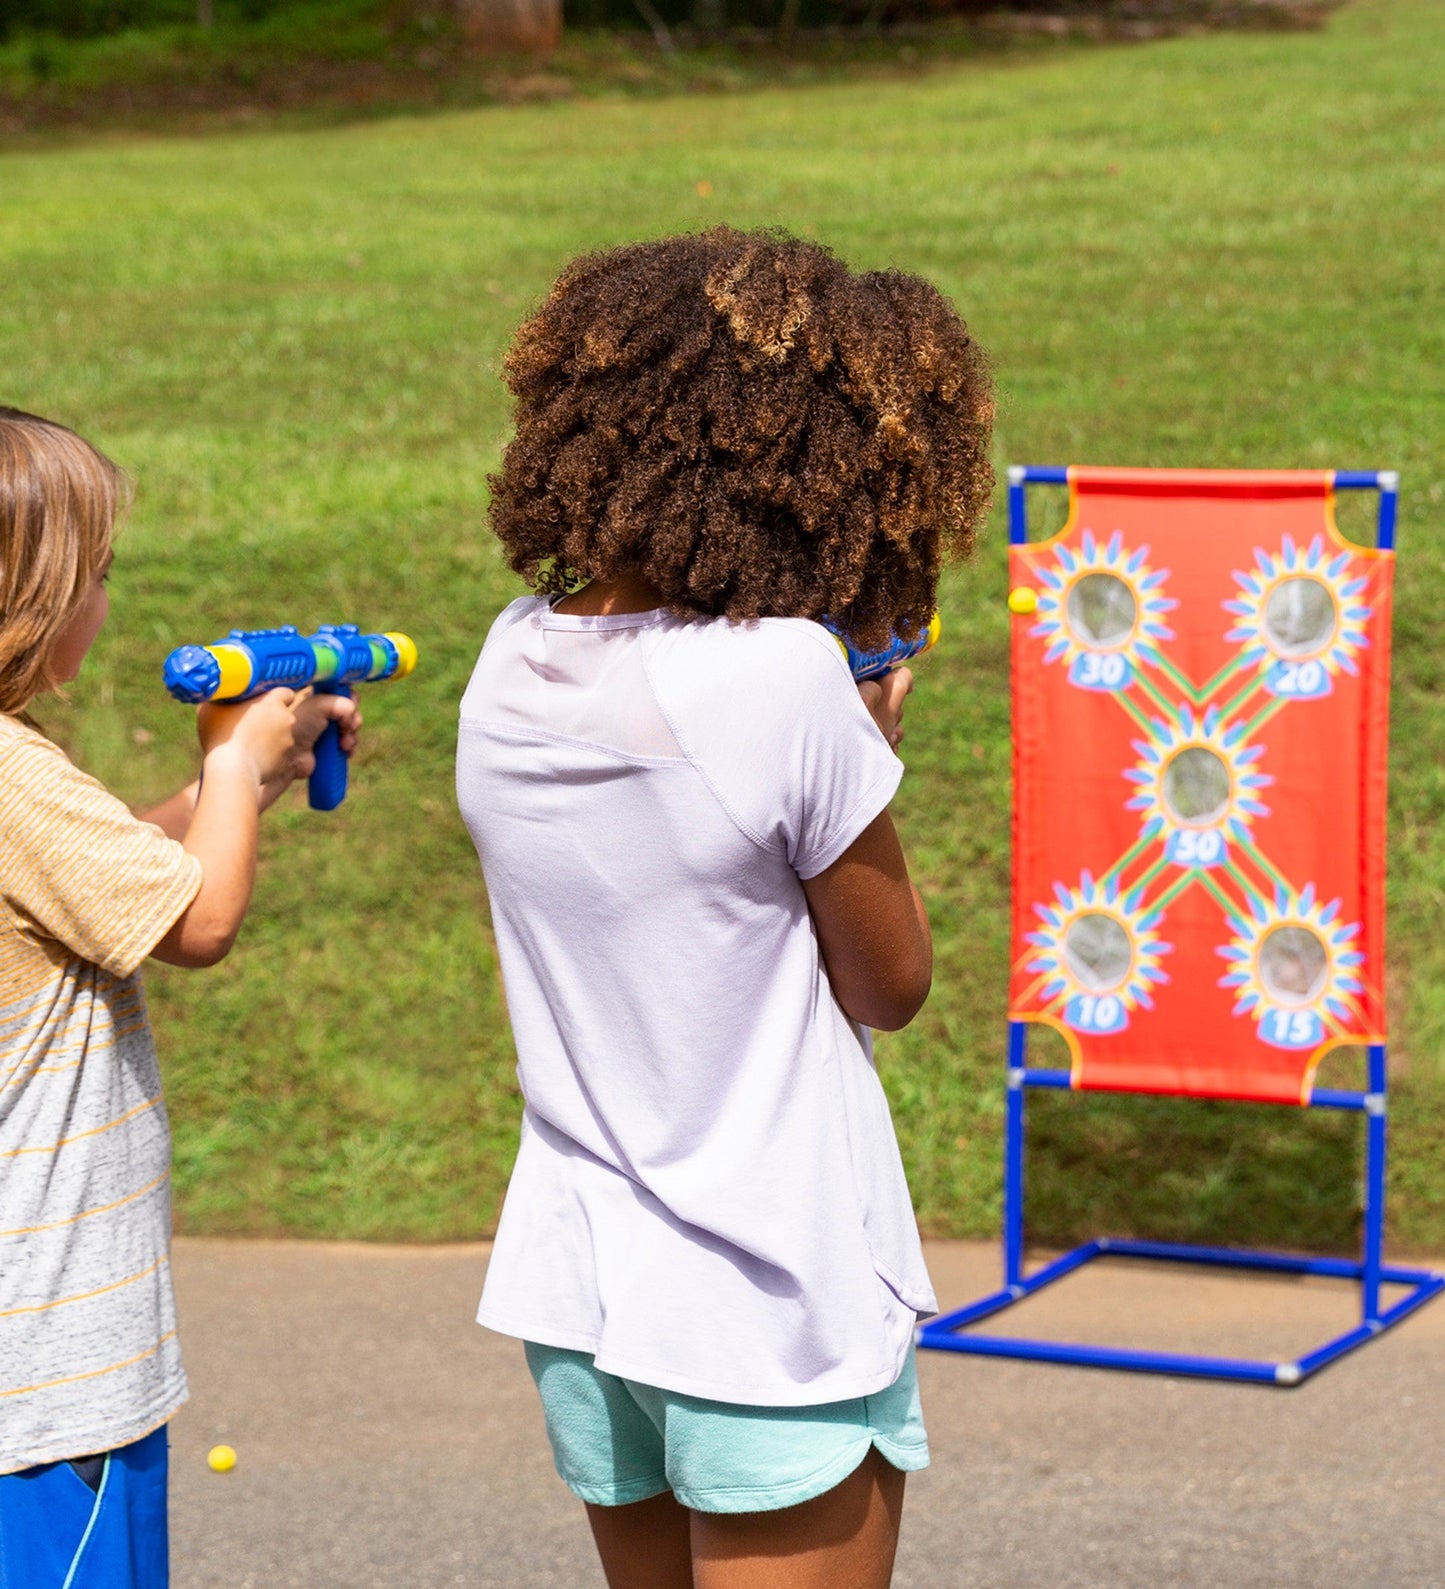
(874, 664)
(250, 661)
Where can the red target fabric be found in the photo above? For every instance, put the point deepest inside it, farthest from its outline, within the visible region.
(1201, 702)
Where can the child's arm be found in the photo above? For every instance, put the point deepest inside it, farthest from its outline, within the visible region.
(173, 816)
(870, 920)
(252, 752)
(873, 930)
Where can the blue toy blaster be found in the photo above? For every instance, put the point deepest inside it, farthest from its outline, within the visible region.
(247, 662)
(874, 664)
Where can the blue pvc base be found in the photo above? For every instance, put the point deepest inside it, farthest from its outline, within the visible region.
(943, 1334)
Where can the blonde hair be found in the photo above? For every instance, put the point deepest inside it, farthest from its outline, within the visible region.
(59, 498)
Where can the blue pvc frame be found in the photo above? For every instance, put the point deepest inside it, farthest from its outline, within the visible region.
(947, 1333)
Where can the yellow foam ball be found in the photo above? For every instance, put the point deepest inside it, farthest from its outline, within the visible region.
(1023, 599)
(221, 1459)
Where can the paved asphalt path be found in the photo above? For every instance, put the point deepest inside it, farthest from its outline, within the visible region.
(386, 1442)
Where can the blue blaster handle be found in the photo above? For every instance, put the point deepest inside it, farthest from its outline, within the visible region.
(326, 787)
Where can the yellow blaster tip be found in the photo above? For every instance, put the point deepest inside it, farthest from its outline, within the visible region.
(406, 655)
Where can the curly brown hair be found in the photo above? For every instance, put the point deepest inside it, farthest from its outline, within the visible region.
(750, 426)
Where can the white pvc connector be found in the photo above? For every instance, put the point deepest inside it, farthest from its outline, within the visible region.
(1374, 1103)
(1389, 479)
(1287, 1374)
(1016, 474)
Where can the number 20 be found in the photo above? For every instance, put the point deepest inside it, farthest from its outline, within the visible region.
(1299, 678)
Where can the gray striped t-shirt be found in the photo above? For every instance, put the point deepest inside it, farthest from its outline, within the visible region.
(88, 1352)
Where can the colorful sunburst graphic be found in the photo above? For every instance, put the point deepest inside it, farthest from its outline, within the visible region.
(1197, 780)
(1299, 618)
(1292, 962)
(1100, 954)
(1101, 609)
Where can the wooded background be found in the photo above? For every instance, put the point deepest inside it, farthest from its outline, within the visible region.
(92, 18)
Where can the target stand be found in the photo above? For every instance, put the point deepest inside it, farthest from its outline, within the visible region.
(1201, 709)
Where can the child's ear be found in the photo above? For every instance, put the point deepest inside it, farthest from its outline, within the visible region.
(763, 294)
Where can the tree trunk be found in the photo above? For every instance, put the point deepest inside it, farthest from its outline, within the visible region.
(660, 31)
(531, 26)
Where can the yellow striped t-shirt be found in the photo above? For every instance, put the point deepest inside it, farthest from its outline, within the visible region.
(88, 1352)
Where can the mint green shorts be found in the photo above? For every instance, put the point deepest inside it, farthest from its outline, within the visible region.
(615, 1441)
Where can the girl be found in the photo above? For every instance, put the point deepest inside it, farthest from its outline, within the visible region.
(680, 802)
(89, 1366)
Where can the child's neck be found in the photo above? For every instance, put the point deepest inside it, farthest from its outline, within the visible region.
(629, 592)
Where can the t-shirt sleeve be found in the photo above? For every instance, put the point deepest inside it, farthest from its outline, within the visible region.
(787, 744)
(77, 866)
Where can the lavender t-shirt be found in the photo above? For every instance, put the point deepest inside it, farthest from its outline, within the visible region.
(708, 1196)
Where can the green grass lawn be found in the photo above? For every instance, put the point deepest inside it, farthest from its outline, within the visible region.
(1219, 250)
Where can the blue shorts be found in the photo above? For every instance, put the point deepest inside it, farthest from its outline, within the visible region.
(58, 1533)
(616, 1441)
